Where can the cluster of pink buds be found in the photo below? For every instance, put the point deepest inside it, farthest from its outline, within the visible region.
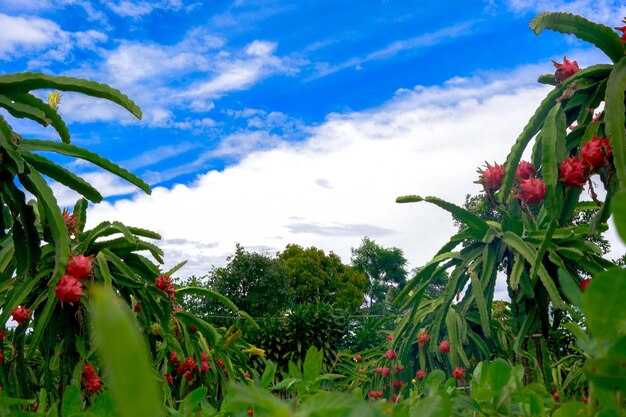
(205, 364)
(375, 394)
(91, 380)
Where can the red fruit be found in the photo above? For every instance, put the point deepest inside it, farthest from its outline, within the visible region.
(491, 178)
(458, 373)
(390, 354)
(394, 398)
(423, 338)
(168, 379)
(358, 358)
(379, 370)
(399, 369)
(20, 314)
(190, 364)
(220, 363)
(397, 384)
(91, 381)
(360, 370)
(189, 376)
(596, 153)
(2, 333)
(585, 399)
(524, 171)
(444, 347)
(584, 283)
(137, 307)
(390, 337)
(556, 396)
(564, 70)
(69, 289)
(250, 412)
(531, 191)
(420, 374)
(192, 328)
(386, 371)
(375, 394)
(174, 358)
(163, 282)
(1, 357)
(246, 374)
(79, 266)
(203, 357)
(573, 172)
(93, 385)
(205, 368)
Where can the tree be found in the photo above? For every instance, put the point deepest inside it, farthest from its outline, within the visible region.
(316, 277)
(255, 282)
(384, 269)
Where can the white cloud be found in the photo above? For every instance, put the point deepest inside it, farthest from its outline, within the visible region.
(34, 36)
(44, 5)
(421, 41)
(609, 12)
(340, 184)
(258, 61)
(137, 9)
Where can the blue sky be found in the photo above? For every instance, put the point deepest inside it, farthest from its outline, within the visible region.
(274, 122)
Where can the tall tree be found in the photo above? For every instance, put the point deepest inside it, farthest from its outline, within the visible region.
(317, 277)
(255, 282)
(385, 269)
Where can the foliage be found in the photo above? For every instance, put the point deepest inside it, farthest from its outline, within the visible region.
(384, 269)
(253, 281)
(317, 277)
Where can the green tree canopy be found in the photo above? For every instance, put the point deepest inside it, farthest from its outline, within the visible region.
(385, 269)
(317, 277)
(255, 282)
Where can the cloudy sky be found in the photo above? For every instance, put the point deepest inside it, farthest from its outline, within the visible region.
(268, 122)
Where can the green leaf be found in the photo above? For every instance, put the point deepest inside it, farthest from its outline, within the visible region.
(516, 243)
(35, 145)
(206, 329)
(437, 405)
(6, 142)
(72, 401)
(618, 207)
(34, 182)
(553, 152)
(477, 291)
(604, 305)
(268, 374)
(608, 373)
(614, 118)
(53, 117)
(24, 82)
(569, 288)
(125, 356)
(23, 111)
(312, 366)
(62, 175)
(499, 373)
(603, 37)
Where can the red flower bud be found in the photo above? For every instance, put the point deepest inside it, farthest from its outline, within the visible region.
(565, 70)
(420, 374)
